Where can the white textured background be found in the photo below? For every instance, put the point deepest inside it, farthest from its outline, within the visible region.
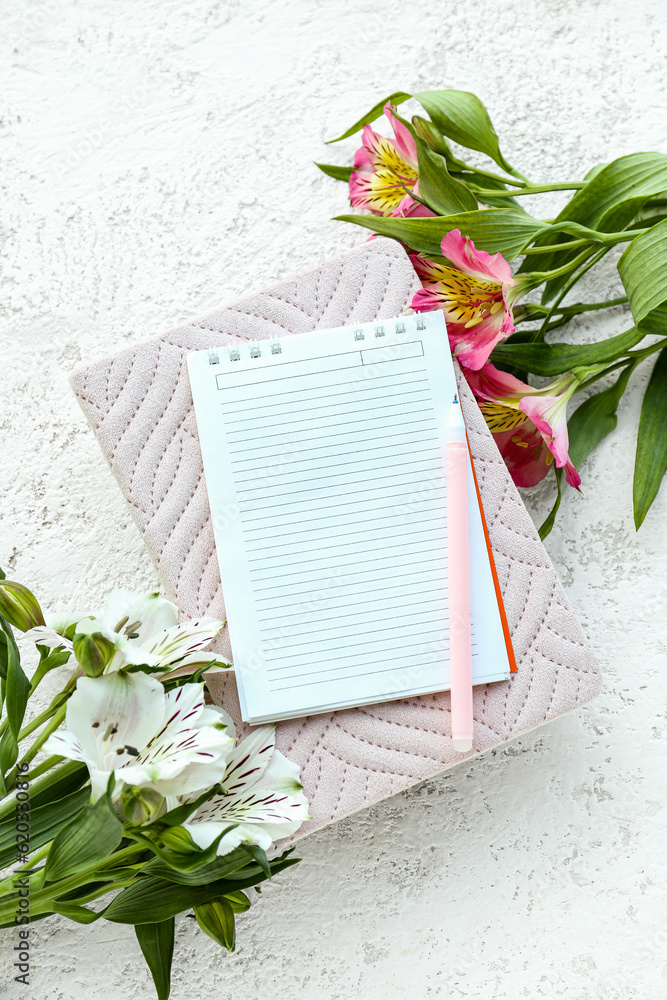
(157, 162)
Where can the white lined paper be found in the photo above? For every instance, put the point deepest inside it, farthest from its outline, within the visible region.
(325, 473)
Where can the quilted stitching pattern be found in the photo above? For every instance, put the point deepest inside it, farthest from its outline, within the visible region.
(138, 403)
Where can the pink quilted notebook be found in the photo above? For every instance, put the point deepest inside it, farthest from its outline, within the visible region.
(139, 404)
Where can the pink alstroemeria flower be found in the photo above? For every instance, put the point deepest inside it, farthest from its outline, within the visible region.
(408, 208)
(384, 168)
(476, 295)
(529, 425)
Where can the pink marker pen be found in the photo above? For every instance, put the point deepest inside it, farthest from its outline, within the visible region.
(458, 566)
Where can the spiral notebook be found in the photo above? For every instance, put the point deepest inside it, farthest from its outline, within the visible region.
(324, 462)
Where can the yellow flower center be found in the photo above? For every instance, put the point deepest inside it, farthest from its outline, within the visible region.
(468, 300)
(503, 418)
(387, 190)
(392, 175)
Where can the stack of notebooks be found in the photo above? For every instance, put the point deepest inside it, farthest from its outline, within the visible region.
(321, 413)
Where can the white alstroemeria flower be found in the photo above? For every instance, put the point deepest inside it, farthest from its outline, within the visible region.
(264, 797)
(51, 634)
(145, 630)
(126, 724)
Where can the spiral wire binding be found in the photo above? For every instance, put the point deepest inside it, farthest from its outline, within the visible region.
(359, 334)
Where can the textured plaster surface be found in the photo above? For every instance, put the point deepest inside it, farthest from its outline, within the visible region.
(157, 162)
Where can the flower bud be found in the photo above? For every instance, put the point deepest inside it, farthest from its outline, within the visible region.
(93, 653)
(141, 805)
(426, 130)
(176, 838)
(19, 606)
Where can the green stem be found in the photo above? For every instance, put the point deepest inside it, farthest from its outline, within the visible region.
(572, 266)
(56, 703)
(534, 309)
(487, 173)
(35, 859)
(40, 673)
(605, 239)
(563, 321)
(8, 803)
(7, 883)
(457, 164)
(582, 307)
(41, 899)
(46, 765)
(540, 276)
(119, 884)
(646, 351)
(512, 170)
(38, 721)
(553, 247)
(532, 189)
(607, 371)
(633, 358)
(35, 748)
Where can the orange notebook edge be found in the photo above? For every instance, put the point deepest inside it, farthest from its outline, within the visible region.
(494, 572)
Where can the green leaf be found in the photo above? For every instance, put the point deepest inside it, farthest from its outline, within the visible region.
(614, 194)
(427, 131)
(216, 918)
(238, 901)
(153, 899)
(220, 868)
(45, 822)
(594, 171)
(240, 880)
(157, 944)
(442, 194)
(608, 202)
(81, 914)
(463, 118)
(182, 860)
(17, 687)
(178, 815)
(397, 98)
(488, 184)
(4, 655)
(496, 230)
(548, 524)
(68, 777)
(595, 418)
(12, 922)
(651, 459)
(259, 856)
(643, 271)
(554, 359)
(9, 751)
(92, 836)
(338, 173)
